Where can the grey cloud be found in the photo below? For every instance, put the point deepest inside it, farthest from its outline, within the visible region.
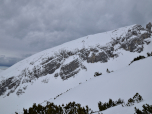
(8, 61)
(30, 26)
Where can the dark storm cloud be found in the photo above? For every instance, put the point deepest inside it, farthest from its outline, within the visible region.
(30, 26)
(8, 61)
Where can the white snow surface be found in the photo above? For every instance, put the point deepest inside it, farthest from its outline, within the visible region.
(86, 89)
(124, 84)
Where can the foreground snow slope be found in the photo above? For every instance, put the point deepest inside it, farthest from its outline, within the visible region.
(119, 84)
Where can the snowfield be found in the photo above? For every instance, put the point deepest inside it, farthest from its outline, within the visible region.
(124, 84)
(25, 88)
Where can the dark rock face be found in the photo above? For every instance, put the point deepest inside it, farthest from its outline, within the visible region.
(69, 70)
(135, 44)
(102, 55)
(51, 67)
(96, 58)
(9, 84)
(145, 35)
(148, 26)
(84, 53)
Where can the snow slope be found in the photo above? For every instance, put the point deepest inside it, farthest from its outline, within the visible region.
(122, 84)
(87, 42)
(21, 85)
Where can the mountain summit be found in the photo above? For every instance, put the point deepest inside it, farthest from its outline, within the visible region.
(53, 72)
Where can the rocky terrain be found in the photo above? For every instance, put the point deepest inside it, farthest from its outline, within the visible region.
(132, 41)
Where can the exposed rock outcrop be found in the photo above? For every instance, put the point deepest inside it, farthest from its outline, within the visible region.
(70, 69)
(148, 26)
(9, 84)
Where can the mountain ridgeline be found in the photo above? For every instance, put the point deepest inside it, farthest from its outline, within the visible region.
(133, 39)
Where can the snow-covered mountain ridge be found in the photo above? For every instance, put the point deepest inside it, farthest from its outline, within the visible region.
(49, 73)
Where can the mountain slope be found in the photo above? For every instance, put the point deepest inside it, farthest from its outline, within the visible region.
(47, 74)
(122, 84)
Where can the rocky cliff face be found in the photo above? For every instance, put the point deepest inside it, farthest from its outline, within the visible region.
(133, 41)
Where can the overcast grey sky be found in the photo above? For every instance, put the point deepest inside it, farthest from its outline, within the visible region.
(31, 26)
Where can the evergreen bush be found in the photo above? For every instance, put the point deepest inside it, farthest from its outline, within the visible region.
(51, 108)
(97, 74)
(136, 99)
(147, 109)
(108, 70)
(137, 58)
(104, 106)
